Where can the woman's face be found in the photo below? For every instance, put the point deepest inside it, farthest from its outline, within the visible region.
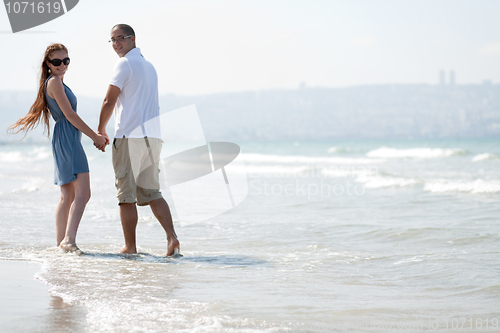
(61, 69)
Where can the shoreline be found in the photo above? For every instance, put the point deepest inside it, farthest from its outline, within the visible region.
(28, 306)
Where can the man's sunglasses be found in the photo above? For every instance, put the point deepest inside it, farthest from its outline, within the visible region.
(58, 62)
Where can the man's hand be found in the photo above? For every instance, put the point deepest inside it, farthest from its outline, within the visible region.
(100, 142)
(104, 134)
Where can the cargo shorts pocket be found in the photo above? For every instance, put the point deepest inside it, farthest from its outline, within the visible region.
(120, 172)
(116, 144)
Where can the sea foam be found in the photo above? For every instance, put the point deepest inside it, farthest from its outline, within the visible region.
(332, 150)
(380, 181)
(484, 157)
(35, 155)
(386, 152)
(474, 187)
(262, 158)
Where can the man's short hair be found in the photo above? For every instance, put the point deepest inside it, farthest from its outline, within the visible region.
(127, 29)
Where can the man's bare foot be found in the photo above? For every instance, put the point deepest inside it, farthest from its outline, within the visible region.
(70, 248)
(128, 250)
(174, 248)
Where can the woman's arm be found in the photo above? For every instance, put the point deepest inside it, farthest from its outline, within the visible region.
(55, 88)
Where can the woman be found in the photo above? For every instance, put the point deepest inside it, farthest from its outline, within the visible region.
(71, 170)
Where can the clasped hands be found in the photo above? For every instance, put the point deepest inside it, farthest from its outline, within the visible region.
(101, 141)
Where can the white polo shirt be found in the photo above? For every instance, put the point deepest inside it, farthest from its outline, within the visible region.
(137, 110)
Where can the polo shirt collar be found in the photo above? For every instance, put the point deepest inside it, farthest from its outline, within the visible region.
(134, 52)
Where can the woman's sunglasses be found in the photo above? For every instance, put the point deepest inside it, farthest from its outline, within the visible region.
(58, 62)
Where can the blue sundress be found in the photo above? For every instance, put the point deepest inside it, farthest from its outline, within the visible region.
(67, 149)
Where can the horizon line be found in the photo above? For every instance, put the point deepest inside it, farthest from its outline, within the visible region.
(485, 83)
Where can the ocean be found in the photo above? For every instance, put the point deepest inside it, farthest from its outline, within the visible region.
(333, 236)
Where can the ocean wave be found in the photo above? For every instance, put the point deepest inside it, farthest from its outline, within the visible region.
(271, 170)
(117, 289)
(484, 157)
(476, 238)
(490, 291)
(386, 152)
(31, 186)
(11, 156)
(40, 153)
(474, 187)
(262, 158)
(349, 171)
(380, 181)
(35, 155)
(13, 185)
(332, 150)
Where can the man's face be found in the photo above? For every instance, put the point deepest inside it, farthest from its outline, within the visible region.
(122, 45)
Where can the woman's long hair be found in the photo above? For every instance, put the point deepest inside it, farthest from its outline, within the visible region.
(39, 111)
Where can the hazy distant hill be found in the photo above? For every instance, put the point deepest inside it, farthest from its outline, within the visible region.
(395, 111)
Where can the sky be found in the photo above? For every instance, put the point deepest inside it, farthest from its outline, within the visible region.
(204, 47)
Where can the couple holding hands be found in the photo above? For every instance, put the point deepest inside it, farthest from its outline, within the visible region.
(133, 96)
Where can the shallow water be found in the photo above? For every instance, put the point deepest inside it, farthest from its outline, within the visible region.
(332, 237)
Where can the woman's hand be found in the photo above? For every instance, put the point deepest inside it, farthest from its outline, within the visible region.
(100, 142)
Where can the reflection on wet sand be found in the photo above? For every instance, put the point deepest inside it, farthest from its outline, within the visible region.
(65, 317)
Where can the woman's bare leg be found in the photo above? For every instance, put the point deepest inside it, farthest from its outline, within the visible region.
(62, 210)
(82, 196)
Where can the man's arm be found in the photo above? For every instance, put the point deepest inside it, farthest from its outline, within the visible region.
(107, 110)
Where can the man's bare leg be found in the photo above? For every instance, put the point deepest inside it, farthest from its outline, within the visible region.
(162, 212)
(128, 216)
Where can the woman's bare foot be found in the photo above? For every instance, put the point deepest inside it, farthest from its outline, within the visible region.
(128, 250)
(174, 248)
(70, 248)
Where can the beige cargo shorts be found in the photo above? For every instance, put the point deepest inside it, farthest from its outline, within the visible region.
(136, 165)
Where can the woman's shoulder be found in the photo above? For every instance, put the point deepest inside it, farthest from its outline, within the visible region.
(54, 79)
(54, 82)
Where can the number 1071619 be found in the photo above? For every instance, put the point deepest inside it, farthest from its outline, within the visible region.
(26, 7)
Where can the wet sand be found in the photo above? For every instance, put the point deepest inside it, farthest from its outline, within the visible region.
(27, 306)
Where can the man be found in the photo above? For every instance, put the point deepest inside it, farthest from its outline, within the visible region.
(133, 95)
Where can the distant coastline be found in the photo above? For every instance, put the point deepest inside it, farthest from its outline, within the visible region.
(399, 111)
